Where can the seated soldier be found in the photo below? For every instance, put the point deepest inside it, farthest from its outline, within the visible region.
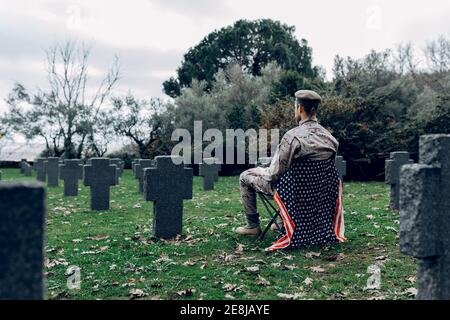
(303, 180)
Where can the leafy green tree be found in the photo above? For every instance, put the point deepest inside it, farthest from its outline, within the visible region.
(148, 124)
(250, 44)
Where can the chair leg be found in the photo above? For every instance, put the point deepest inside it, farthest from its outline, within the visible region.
(263, 234)
(268, 205)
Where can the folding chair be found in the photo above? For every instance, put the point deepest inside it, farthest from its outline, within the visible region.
(272, 212)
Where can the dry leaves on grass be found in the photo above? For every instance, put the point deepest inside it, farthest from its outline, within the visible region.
(412, 279)
(252, 270)
(410, 292)
(291, 296)
(311, 255)
(229, 287)
(308, 281)
(57, 262)
(338, 257)
(318, 269)
(239, 249)
(260, 281)
(290, 267)
(137, 293)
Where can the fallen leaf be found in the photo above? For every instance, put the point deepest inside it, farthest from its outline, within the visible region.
(231, 287)
(239, 249)
(310, 255)
(253, 270)
(262, 282)
(137, 293)
(291, 267)
(289, 296)
(317, 269)
(412, 279)
(410, 292)
(308, 281)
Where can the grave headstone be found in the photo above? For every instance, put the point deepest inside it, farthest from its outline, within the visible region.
(21, 163)
(22, 216)
(167, 185)
(39, 167)
(27, 169)
(424, 216)
(116, 162)
(141, 166)
(341, 166)
(100, 175)
(392, 174)
(52, 170)
(134, 166)
(70, 172)
(209, 170)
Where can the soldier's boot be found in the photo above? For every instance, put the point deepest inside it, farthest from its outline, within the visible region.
(252, 228)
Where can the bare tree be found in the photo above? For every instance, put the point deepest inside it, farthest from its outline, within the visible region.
(64, 115)
(101, 135)
(437, 53)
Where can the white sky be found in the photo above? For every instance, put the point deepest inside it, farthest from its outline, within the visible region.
(151, 36)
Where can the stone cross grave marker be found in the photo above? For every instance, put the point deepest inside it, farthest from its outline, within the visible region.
(21, 163)
(341, 166)
(116, 162)
(70, 172)
(39, 166)
(425, 218)
(209, 170)
(119, 163)
(27, 169)
(134, 166)
(167, 185)
(392, 174)
(52, 170)
(140, 167)
(100, 175)
(22, 216)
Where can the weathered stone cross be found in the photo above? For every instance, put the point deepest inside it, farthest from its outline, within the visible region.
(134, 165)
(167, 185)
(70, 172)
(52, 169)
(27, 169)
(209, 170)
(392, 175)
(40, 169)
(21, 165)
(100, 175)
(22, 216)
(117, 163)
(425, 216)
(140, 167)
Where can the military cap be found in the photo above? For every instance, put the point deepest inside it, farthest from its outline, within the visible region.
(308, 95)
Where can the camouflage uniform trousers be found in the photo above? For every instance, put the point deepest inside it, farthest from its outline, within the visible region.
(251, 183)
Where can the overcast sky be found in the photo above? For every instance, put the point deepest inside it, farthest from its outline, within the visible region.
(151, 36)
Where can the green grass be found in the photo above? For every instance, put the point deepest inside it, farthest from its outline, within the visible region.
(117, 254)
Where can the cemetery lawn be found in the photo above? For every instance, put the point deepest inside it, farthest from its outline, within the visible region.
(119, 259)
